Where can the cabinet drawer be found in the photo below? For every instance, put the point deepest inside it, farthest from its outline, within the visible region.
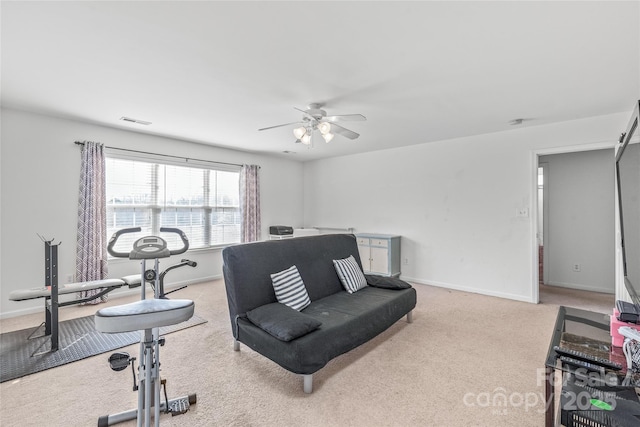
(380, 242)
(363, 241)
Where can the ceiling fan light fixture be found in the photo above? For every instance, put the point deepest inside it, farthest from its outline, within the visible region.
(324, 128)
(315, 119)
(299, 132)
(327, 136)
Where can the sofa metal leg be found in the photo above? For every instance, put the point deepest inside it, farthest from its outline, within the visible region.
(308, 383)
(410, 317)
(236, 345)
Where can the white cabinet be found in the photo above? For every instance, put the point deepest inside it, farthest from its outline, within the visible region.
(297, 232)
(379, 253)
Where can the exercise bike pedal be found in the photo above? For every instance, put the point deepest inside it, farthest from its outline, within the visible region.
(120, 361)
(179, 407)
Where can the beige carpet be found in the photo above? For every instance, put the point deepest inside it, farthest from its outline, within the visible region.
(450, 367)
(594, 301)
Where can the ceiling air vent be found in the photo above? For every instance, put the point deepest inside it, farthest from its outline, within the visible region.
(130, 120)
(518, 121)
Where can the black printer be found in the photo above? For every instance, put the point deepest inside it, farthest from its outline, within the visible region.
(280, 230)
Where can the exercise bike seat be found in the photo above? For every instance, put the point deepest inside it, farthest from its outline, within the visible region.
(144, 314)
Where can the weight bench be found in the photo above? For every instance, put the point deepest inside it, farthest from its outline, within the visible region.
(51, 291)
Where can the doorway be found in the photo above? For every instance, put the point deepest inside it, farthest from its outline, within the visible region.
(575, 219)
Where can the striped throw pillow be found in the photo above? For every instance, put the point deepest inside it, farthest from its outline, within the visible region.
(350, 274)
(290, 289)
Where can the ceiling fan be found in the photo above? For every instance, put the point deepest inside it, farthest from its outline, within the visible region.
(315, 118)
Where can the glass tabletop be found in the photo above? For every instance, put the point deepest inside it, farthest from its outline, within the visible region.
(587, 332)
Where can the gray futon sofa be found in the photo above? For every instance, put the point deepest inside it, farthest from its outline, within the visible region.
(335, 321)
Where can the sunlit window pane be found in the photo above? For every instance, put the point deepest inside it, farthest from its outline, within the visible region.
(204, 203)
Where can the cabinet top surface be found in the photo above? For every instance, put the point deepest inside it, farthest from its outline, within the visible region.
(376, 235)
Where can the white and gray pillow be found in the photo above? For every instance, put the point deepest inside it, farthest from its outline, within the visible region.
(350, 274)
(290, 289)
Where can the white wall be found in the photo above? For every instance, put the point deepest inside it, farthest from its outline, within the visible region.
(454, 202)
(39, 189)
(580, 220)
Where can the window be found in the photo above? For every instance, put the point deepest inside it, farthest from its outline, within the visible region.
(202, 202)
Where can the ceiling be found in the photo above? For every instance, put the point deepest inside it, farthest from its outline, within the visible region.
(215, 72)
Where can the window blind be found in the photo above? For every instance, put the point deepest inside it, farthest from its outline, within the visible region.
(203, 202)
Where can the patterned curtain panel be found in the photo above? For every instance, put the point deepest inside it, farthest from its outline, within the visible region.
(250, 203)
(91, 247)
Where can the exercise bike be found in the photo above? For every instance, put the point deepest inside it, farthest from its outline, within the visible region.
(147, 316)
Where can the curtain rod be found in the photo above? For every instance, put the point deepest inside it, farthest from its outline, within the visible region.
(165, 155)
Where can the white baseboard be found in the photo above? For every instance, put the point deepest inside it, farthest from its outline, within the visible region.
(471, 290)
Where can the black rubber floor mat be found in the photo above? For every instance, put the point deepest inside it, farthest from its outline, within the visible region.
(78, 339)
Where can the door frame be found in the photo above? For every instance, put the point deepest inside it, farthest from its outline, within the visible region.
(535, 161)
(545, 218)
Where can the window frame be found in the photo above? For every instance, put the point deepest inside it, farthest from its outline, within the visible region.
(157, 209)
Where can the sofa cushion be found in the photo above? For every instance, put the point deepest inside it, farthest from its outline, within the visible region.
(348, 320)
(386, 282)
(290, 289)
(350, 274)
(282, 322)
(247, 268)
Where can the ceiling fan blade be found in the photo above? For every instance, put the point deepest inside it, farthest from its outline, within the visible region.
(308, 115)
(347, 117)
(279, 126)
(343, 131)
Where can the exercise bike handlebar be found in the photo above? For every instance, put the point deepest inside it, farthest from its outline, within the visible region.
(185, 241)
(117, 234)
(114, 238)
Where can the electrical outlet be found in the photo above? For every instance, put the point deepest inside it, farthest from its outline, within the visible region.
(405, 261)
(576, 268)
(69, 278)
(522, 212)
